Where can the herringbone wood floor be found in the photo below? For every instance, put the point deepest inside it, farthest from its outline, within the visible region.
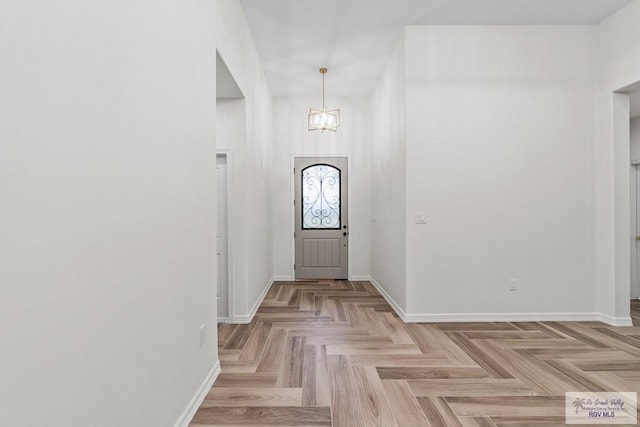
(333, 353)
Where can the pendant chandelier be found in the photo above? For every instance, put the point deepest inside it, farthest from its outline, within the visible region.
(324, 119)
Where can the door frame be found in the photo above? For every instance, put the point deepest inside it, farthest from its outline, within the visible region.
(228, 154)
(292, 196)
(634, 232)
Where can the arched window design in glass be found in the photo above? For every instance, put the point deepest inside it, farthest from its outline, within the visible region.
(320, 197)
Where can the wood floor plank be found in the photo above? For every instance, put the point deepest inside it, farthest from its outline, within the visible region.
(432, 372)
(394, 329)
(252, 350)
(333, 352)
(373, 398)
(225, 331)
(310, 416)
(432, 340)
(253, 396)
(549, 330)
(400, 360)
(542, 378)
(583, 380)
(507, 335)
(567, 344)
(295, 298)
(320, 304)
(290, 371)
(479, 356)
(374, 323)
(307, 301)
(469, 387)
(354, 316)
(438, 412)
(323, 378)
(614, 365)
(566, 329)
(342, 316)
(346, 410)
(611, 381)
(477, 422)
(616, 340)
(547, 376)
(235, 367)
(309, 376)
(240, 336)
(327, 332)
(272, 356)
(285, 294)
(629, 374)
(580, 355)
(350, 340)
(541, 421)
(228, 355)
(246, 380)
(529, 406)
(356, 349)
(635, 312)
(479, 326)
(404, 404)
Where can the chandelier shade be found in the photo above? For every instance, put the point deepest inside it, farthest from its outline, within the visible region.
(323, 119)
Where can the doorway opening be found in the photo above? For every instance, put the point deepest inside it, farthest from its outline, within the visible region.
(222, 238)
(230, 138)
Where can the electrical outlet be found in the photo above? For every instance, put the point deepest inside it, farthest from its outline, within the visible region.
(513, 285)
(203, 334)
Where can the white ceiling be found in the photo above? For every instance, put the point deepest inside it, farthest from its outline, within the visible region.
(354, 38)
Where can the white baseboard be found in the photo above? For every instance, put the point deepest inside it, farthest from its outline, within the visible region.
(615, 321)
(388, 298)
(247, 318)
(359, 278)
(223, 320)
(498, 317)
(197, 399)
(282, 278)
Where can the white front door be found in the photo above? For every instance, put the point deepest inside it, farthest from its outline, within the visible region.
(221, 240)
(321, 217)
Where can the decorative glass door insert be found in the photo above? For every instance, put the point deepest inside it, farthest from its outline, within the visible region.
(321, 197)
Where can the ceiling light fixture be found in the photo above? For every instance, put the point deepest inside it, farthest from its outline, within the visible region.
(324, 119)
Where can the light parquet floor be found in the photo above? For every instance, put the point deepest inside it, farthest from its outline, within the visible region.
(333, 353)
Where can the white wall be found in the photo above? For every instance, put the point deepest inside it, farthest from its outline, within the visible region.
(499, 133)
(619, 67)
(388, 238)
(634, 135)
(291, 138)
(246, 131)
(107, 210)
